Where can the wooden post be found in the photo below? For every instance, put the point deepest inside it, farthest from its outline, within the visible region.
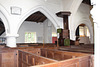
(57, 44)
(65, 32)
(43, 43)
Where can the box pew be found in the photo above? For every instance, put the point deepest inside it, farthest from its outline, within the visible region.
(26, 59)
(75, 62)
(43, 57)
(60, 55)
(8, 58)
(35, 51)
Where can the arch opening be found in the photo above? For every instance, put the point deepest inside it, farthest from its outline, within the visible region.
(83, 34)
(36, 28)
(43, 10)
(4, 27)
(2, 32)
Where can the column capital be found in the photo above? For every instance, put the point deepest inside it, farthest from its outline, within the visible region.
(63, 13)
(12, 35)
(11, 41)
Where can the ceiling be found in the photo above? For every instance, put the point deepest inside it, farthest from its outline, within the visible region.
(40, 17)
(37, 17)
(87, 2)
(82, 25)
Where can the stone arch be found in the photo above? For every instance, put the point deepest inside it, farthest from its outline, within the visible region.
(89, 25)
(43, 10)
(3, 17)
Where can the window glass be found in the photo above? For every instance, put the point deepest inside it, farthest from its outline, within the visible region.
(30, 37)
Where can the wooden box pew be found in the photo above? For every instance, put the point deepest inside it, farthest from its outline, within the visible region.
(17, 58)
(60, 55)
(36, 45)
(35, 51)
(84, 61)
(53, 53)
(29, 57)
(8, 58)
(26, 59)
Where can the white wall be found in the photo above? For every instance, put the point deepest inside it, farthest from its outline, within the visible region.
(43, 31)
(49, 8)
(71, 5)
(47, 31)
(81, 17)
(30, 27)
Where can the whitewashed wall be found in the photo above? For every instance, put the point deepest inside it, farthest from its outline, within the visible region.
(30, 27)
(27, 6)
(48, 8)
(43, 31)
(47, 31)
(13, 22)
(81, 17)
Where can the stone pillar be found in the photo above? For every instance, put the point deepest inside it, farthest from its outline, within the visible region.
(49, 34)
(11, 41)
(47, 24)
(96, 18)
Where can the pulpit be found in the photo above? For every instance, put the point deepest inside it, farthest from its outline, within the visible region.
(65, 33)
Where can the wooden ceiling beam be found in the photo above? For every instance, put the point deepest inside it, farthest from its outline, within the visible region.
(37, 17)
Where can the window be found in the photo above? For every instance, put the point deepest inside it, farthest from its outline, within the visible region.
(54, 34)
(81, 29)
(30, 37)
(84, 31)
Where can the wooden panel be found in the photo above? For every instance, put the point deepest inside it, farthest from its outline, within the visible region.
(9, 59)
(37, 17)
(65, 33)
(67, 63)
(43, 53)
(35, 51)
(67, 57)
(60, 55)
(85, 61)
(76, 62)
(57, 56)
(29, 59)
(0, 60)
(50, 54)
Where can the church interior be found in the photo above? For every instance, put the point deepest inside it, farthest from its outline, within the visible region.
(46, 33)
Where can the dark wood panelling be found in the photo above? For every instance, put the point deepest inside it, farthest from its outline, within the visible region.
(22, 58)
(28, 59)
(8, 58)
(37, 17)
